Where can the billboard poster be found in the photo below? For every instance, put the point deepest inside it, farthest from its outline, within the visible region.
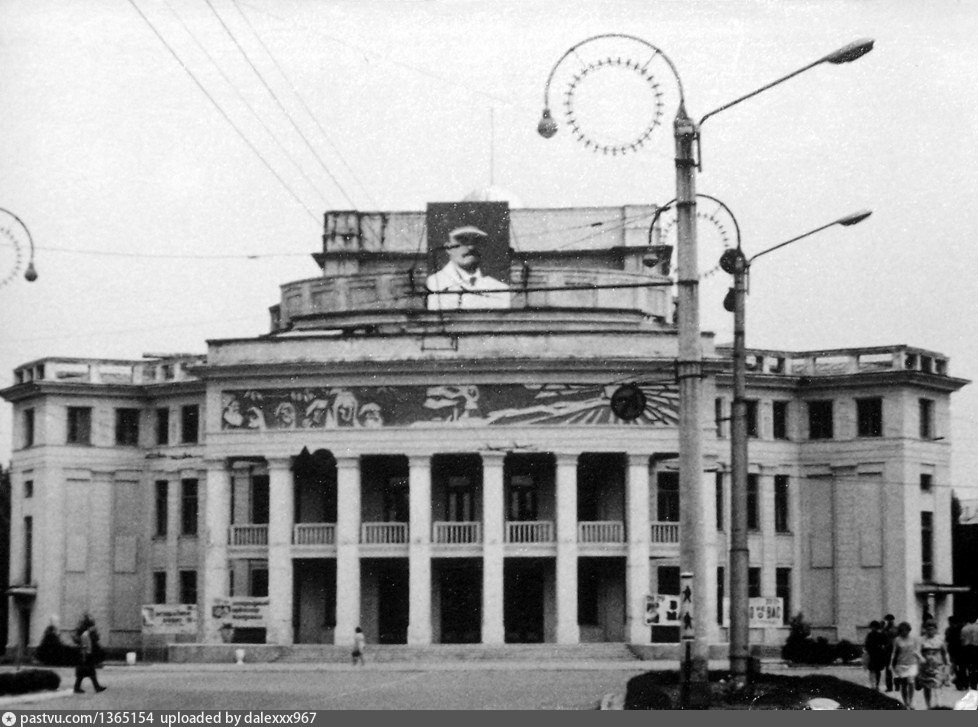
(661, 610)
(761, 611)
(169, 619)
(241, 612)
(468, 254)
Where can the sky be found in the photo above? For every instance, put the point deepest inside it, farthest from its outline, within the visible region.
(172, 159)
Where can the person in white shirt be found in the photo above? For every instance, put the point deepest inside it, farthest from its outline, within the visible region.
(463, 276)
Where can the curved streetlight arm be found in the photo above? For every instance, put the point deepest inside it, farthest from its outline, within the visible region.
(846, 221)
(31, 273)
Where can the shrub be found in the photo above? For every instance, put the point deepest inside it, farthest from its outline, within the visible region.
(644, 692)
(28, 680)
(800, 648)
(847, 651)
(52, 651)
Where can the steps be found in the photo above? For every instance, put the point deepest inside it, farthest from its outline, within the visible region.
(379, 654)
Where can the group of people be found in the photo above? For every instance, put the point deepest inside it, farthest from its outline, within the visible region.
(927, 663)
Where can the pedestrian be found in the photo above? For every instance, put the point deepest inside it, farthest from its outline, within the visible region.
(890, 631)
(877, 652)
(933, 672)
(89, 650)
(952, 637)
(359, 645)
(969, 652)
(904, 663)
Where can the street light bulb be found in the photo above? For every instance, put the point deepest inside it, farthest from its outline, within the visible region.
(547, 126)
(30, 275)
(851, 52)
(854, 218)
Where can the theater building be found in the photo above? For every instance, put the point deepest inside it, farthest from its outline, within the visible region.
(455, 473)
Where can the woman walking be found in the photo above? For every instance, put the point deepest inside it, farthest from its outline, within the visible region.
(877, 649)
(904, 663)
(934, 670)
(359, 645)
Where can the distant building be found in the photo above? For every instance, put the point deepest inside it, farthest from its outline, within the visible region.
(446, 476)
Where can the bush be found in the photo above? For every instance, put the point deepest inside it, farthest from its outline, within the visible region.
(801, 648)
(28, 680)
(644, 692)
(52, 651)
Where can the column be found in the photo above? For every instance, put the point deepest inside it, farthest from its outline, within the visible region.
(769, 547)
(637, 556)
(173, 494)
(347, 549)
(568, 631)
(419, 551)
(281, 514)
(100, 570)
(493, 524)
(217, 520)
(48, 546)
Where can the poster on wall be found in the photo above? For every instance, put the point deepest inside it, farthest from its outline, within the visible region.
(240, 612)
(169, 619)
(761, 611)
(661, 610)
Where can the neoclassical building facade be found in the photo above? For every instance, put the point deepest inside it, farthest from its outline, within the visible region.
(458, 474)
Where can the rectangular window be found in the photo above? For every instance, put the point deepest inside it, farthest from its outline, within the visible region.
(79, 425)
(162, 426)
(752, 429)
(522, 499)
(460, 506)
(28, 489)
(28, 549)
(159, 586)
(188, 510)
(782, 577)
(782, 518)
(820, 419)
(259, 583)
(719, 496)
(869, 417)
(397, 506)
(927, 546)
(588, 594)
(189, 424)
(127, 427)
(160, 510)
(926, 482)
(753, 582)
(28, 420)
(259, 499)
(720, 594)
(668, 577)
(779, 410)
(667, 499)
(718, 416)
(753, 518)
(926, 418)
(188, 586)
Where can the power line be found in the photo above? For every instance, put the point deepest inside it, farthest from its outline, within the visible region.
(245, 101)
(277, 101)
(305, 106)
(223, 113)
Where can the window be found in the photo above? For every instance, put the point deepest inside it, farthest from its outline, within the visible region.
(522, 499)
(779, 410)
(720, 594)
(189, 424)
(782, 586)
(753, 582)
(752, 513)
(782, 519)
(926, 418)
(188, 586)
(28, 489)
(160, 508)
(926, 481)
(259, 583)
(751, 407)
(259, 499)
(397, 506)
(869, 417)
(668, 576)
(28, 549)
(127, 427)
(188, 510)
(820, 419)
(718, 416)
(162, 426)
(588, 593)
(719, 496)
(460, 507)
(159, 586)
(927, 546)
(79, 425)
(28, 435)
(667, 499)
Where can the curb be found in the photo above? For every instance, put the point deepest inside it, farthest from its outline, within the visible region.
(34, 697)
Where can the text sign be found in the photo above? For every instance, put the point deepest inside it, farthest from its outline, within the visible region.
(241, 613)
(169, 619)
(761, 611)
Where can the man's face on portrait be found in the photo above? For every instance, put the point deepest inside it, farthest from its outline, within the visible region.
(463, 250)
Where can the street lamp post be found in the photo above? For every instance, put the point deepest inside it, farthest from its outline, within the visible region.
(30, 274)
(694, 529)
(737, 264)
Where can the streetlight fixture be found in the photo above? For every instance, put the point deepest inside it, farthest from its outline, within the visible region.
(30, 274)
(694, 531)
(737, 264)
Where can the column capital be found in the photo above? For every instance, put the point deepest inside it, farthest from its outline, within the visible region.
(638, 460)
(566, 459)
(494, 459)
(278, 463)
(419, 460)
(349, 462)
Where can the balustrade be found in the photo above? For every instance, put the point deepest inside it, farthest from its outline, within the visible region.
(314, 534)
(383, 533)
(601, 531)
(457, 533)
(251, 534)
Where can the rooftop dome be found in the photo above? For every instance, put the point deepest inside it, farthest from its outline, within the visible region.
(492, 193)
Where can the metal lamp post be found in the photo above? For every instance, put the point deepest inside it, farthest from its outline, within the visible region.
(737, 264)
(30, 274)
(694, 529)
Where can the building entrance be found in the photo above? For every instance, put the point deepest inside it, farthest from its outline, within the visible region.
(386, 580)
(460, 602)
(314, 600)
(523, 582)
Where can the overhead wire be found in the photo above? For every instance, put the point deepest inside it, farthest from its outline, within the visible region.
(305, 106)
(223, 113)
(247, 104)
(281, 107)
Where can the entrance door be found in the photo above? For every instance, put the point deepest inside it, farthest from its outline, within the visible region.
(461, 605)
(523, 602)
(392, 606)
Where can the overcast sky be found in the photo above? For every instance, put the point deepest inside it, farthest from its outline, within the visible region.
(134, 184)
